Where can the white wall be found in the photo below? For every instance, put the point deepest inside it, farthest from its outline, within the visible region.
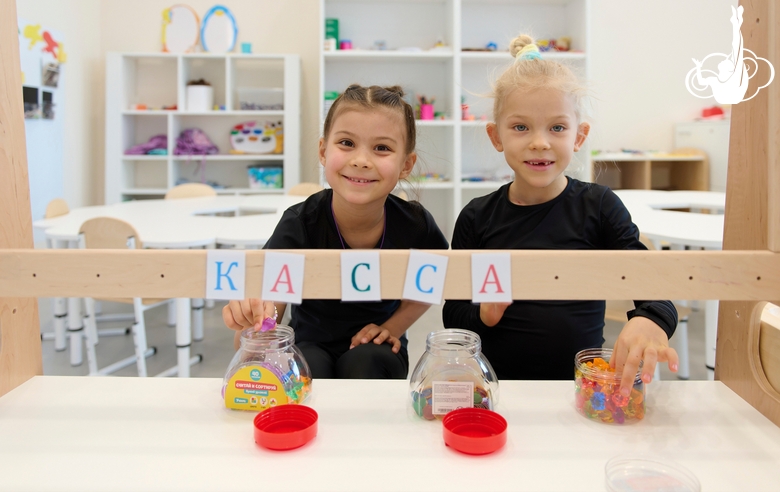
(639, 54)
(78, 21)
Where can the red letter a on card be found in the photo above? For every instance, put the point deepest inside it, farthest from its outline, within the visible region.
(491, 269)
(286, 273)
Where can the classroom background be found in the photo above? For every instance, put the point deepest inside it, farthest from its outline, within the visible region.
(637, 57)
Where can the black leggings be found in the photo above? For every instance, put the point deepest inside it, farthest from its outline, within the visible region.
(366, 361)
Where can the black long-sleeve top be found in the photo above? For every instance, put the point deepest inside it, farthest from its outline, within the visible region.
(539, 339)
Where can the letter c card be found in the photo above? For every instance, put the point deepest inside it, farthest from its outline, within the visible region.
(425, 274)
(360, 279)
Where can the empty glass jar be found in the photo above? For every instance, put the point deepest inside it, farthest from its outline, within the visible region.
(452, 374)
(266, 371)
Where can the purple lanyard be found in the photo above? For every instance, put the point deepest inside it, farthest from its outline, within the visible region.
(384, 229)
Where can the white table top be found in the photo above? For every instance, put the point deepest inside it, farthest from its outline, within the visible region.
(649, 212)
(183, 223)
(85, 434)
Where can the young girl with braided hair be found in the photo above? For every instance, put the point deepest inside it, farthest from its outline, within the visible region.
(538, 125)
(368, 145)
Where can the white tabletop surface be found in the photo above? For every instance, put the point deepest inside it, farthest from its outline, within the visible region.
(649, 211)
(183, 223)
(96, 434)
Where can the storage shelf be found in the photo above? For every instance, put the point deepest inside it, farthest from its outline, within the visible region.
(249, 191)
(491, 56)
(230, 157)
(145, 157)
(160, 79)
(453, 147)
(379, 55)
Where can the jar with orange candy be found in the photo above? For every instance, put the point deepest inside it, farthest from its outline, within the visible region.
(597, 390)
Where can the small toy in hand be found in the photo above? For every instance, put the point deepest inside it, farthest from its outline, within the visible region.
(269, 323)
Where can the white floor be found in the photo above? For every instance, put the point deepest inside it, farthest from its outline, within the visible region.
(217, 345)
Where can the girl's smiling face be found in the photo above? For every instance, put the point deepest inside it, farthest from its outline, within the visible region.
(538, 133)
(364, 155)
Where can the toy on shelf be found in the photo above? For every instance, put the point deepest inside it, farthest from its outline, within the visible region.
(425, 107)
(180, 29)
(219, 31)
(157, 145)
(257, 137)
(193, 141)
(200, 95)
(563, 43)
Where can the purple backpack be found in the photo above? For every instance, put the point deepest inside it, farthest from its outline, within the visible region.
(193, 141)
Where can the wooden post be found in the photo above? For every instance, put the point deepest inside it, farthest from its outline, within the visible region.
(20, 342)
(752, 209)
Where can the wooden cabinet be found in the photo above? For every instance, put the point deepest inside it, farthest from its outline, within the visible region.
(684, 169)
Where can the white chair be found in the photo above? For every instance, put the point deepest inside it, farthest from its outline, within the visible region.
(57, 208)
(110, 233)
(190, 190)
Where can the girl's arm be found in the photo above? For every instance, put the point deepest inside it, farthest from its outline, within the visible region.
(391, 330)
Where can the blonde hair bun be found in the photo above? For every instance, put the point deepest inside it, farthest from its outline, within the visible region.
(519, 43)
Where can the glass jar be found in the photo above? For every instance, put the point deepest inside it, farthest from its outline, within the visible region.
(452, 374)
(267, 370)
(597, 391)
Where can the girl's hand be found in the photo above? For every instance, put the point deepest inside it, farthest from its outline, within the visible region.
(641, 340)
(378, 334)
(491, 312)
(238, 315)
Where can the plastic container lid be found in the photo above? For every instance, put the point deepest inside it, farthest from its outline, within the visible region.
(645, 474)
(474, 430)
(285, 427)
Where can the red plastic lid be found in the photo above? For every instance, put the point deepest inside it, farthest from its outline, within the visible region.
(474, 430)
(285, 427)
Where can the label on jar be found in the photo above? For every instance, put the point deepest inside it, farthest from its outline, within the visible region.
(451, 395)
(254, 388)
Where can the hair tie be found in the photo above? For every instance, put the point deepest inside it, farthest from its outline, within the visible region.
(529, 52)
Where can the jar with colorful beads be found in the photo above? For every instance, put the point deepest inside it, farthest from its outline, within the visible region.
(266, 371)
(452, 374)
(597, 389)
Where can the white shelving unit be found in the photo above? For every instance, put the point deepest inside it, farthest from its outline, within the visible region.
(451, 147)
(160, 79)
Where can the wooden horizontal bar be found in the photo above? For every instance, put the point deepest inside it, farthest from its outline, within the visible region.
(610, 275)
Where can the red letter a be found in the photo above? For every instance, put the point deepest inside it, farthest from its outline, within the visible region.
(491, 269)
(286, 272)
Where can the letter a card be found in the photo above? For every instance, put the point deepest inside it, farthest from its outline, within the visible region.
(283, 277)
(225, 274)
(491, 277)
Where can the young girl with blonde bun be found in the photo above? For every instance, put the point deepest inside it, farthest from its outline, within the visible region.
(368, 145)
(538, 125)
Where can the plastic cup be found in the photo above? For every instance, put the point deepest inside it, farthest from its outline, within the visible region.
(632, 473)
